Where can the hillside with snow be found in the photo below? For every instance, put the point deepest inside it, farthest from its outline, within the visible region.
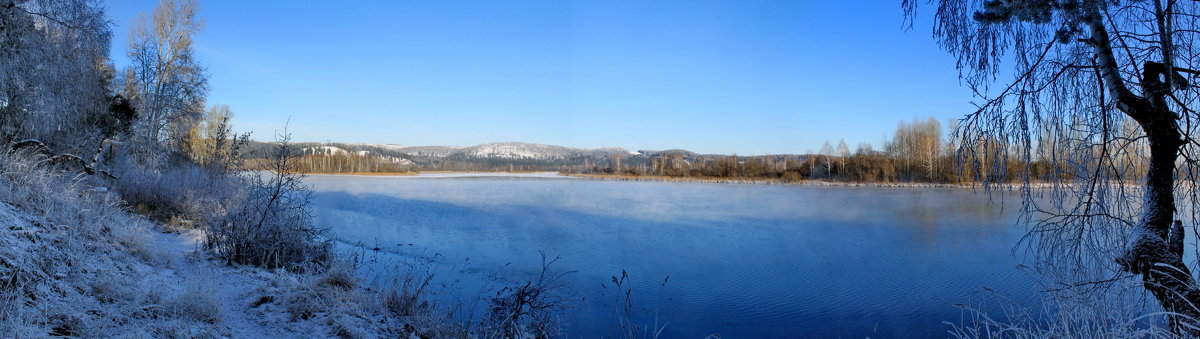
(497, 155)
(520, 150)
(517, 156)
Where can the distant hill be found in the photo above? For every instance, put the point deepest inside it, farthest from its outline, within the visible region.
(496, 156)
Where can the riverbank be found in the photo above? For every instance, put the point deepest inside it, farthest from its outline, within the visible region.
(417, 173)
(76, 262)
(447, 174)
(663, 178)
(366, 173)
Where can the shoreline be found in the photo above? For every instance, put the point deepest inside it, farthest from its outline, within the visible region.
(364, 173)
(821, 183)
(700, 180)
(415, 173)
(448, 175)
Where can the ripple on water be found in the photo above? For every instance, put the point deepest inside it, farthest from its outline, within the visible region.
(743, 260)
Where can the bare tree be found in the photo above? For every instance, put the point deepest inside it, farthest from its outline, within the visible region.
(169, 84)
(212, 143)
(929, 144)
(827, 157)
(811, 159)
(917, 146)
(273, 225)
(1079, 70)
(843, 153)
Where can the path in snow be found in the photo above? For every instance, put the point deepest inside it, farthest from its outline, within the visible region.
(236, 288)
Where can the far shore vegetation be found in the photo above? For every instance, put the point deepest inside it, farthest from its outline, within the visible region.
(919, 152)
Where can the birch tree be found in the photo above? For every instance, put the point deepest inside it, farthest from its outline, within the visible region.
(827, 157)
(843, 153)
(917, 146)
(928, 144)
(1074, 70)
(169, 84)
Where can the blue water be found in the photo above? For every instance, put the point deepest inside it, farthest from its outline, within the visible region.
(744, 261)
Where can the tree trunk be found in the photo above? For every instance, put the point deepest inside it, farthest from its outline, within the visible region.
(1155, 250)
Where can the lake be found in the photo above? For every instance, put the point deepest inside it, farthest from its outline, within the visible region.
(743, 261)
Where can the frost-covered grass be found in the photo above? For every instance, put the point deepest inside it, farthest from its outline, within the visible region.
(73, 262)
(199, 299)
(179, 193)
(337, 304)
(1117, 310)
(76, 260)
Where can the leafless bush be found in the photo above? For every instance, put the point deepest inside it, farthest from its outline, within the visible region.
(180, 190)
(272, 226)
(51, 82)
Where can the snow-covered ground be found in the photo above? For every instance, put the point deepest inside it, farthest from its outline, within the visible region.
(74, 262)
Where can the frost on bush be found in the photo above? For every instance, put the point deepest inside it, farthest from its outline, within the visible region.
(182, 194)
(272, 227)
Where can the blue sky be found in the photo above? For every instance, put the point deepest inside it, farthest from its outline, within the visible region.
(745, 77)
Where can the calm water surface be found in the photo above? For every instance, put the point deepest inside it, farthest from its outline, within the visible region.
(744, 261)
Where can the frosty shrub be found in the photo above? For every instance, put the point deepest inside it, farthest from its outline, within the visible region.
(271, 226)
(180, 190)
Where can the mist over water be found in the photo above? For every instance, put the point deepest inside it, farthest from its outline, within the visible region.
(744, 261)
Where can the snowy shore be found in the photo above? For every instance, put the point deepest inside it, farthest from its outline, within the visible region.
(75, 262)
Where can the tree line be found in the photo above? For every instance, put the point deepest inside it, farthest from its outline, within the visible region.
(346, 162)
(920, 150)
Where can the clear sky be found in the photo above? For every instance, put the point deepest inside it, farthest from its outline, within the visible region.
(745, 77)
